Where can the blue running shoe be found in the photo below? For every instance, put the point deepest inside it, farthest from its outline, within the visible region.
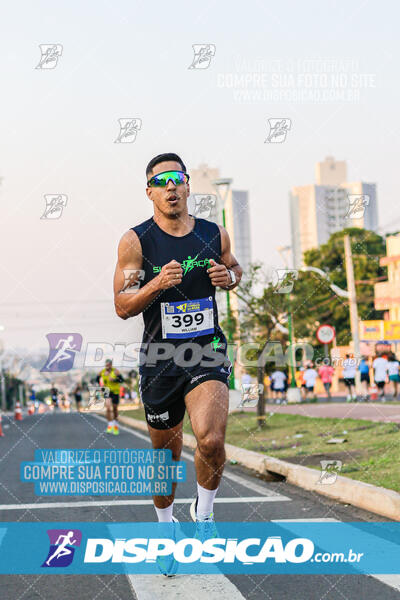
(167, 564)
(205, 526)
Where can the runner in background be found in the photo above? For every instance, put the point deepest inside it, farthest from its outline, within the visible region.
(32, 398)
(298, 377)
(284, 401)
(111, 378)
(267, 385)
(78, 396)
(393, 370)
(303, 383)
(310, 377)
(54, 396)
(349, 376)
(278, 384)
(364, 375)
(380, 366)
(326, 373)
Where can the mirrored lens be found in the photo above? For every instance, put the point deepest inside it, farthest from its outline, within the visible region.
(161, 180)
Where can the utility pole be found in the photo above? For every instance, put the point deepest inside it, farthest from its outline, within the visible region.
(351, 287)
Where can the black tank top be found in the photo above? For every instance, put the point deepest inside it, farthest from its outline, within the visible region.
(186, 307)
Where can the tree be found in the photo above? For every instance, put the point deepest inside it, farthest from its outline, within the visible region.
(262, 319)
(367, 249)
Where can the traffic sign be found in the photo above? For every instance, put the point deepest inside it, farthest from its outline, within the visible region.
(326, 334)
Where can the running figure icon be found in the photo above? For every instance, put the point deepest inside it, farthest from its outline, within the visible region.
(62, 550)
(62, 353)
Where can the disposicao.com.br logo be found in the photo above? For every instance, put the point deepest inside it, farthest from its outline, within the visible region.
(211, 551)
(190, 550)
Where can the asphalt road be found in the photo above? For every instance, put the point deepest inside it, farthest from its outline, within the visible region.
(269, 501)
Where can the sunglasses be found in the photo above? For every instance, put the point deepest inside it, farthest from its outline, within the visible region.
(161, 180)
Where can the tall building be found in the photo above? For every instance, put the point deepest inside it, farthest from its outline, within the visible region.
(387, 293)
(207, 201)
(331, 204)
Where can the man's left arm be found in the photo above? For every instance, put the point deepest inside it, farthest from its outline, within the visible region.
(219, 273)
(118, 377)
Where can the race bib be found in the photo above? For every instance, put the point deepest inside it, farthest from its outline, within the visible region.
(187, 319)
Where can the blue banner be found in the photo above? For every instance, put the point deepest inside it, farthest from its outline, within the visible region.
(233, 548)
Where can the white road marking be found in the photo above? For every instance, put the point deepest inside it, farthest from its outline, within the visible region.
(251, 485)
(195, 587)
(392, 581)
(138, 502)
(321, 520)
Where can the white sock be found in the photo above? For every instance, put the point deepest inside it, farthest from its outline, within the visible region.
(164, 514)
(115, 423)
(205, 501)
(110, 423)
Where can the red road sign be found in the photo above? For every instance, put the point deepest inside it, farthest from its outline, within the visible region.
(326, 334)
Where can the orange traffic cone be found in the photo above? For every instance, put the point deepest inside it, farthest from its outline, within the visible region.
(373, 392)
(1, 429)
(31, 408)
(18, 412)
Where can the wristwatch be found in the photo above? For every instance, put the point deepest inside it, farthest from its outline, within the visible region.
(233, 278)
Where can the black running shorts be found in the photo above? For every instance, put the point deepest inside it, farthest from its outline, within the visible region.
(163, 397)
(114, 398)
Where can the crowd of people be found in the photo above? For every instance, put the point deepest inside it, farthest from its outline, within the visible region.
(108, 378)
(381, 372)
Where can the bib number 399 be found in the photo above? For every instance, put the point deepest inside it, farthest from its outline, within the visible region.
(187, 319)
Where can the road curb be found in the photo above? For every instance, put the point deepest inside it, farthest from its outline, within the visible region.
(369, 497)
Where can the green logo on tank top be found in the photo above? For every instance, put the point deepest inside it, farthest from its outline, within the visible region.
(189, 264)
(215, 343)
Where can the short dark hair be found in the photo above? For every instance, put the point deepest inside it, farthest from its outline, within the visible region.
(167, 156)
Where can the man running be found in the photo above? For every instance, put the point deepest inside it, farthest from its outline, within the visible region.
(349, 376)
(380, 366)
(78, 396)
(54, 396)
(325, 373)
(364, 377)
(279, 380)
(183, 362)
(310, 377)
(111, 378)
(393, 372)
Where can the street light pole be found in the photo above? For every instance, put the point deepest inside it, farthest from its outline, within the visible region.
(225, 185)
(295, 396)
(283, 251)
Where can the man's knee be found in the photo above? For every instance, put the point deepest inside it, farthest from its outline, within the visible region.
(170, 439)
(211, 443)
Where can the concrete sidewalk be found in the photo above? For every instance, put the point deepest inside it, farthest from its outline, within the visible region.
(374, 411)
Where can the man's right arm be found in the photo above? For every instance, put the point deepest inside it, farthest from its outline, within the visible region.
(131, 301)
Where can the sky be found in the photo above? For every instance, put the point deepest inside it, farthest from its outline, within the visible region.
(329, 67)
